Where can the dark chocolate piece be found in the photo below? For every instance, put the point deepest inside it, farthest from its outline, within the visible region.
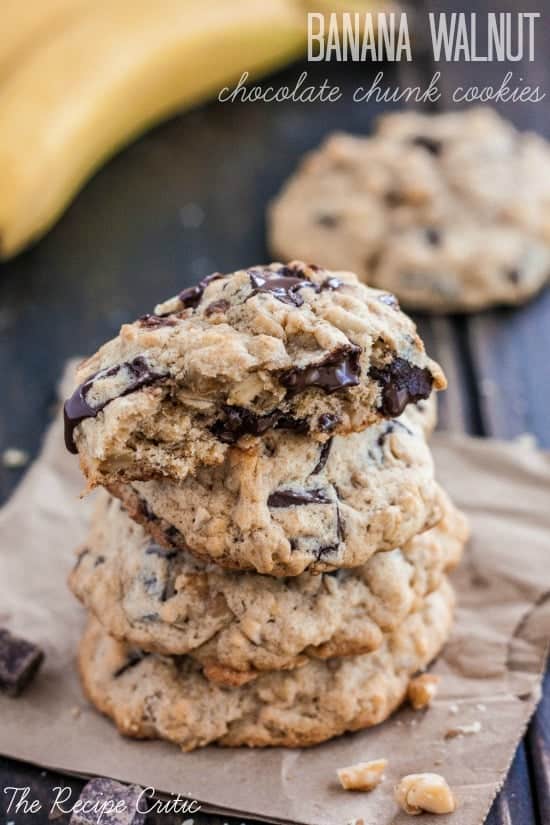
(390, 428)
(433, 236)
(76, 408)
(389, 299)
(336, 371)
(216, 306)
(134, 658)
(327, 422)
(110, 803)
(327, 220)
(237, 421)
(155, 321)
(326, 551)
(283, 285)
(286, 283)
(191, 296)
(323, 457)
(19, 662)
(431, 145)
(290, 498)
(401, 382)
(99, 560)
(162, 552)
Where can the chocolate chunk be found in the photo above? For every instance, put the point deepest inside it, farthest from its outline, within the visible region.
(327, 422)
(401, 382)
(173, 537)
(110, 803)
(161, 552)
(76, 408)
(155, 321)
(134, 658)
(99, 560)
(191, 296)
(431, 145)
(283, 285)
(331, 283)
(168, 591)
(389, 299)
(336, 371)
(327, 220)
(286, 283)
(237, 421)
(433, 236)
(321, 552)
(323, 457)
(390, 428)
(19, 662)
(290, 498)
(216, 306)
(513, 276)
(393, 198)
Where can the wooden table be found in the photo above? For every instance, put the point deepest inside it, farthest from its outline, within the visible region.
(130, 238)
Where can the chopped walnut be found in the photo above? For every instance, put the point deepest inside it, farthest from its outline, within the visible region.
(422, 690)
(425, 792)
(364, 776)
(463, 730)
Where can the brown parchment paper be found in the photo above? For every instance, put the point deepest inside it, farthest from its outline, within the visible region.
(491, 668)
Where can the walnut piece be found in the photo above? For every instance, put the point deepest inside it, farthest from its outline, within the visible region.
(364, 776)
(422, 690)
(424, 792)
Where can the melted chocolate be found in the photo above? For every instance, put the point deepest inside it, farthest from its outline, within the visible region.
(162, 552)
(291, 498)
(191, 296)
(431, 145)
(323, 457)
(401, 382)
(338, 370)
(134, 658)
(389, 299)
(216, 306)
(237, 421)
(327, 422)
(156, 321)
(76, 408)
(286, 283)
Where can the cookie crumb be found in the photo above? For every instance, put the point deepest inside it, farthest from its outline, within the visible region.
(453, 709)
(424, 792)
(75, 712)
(13, 458)
(364, 776)
(422, 690)
(481, 708)
(463, 730)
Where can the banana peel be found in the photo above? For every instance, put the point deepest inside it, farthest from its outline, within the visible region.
(93, 75)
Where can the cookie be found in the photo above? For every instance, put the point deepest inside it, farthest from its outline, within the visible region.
(151, 696)
(288, 504)
(236, 624)
(449, 212)
(293, 348)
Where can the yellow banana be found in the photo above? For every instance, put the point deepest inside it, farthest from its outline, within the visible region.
(108, 73)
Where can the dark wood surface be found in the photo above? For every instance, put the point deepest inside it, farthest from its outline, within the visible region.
(123, 243)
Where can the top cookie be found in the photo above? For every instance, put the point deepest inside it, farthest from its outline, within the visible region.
(276, 347)
(449, 212)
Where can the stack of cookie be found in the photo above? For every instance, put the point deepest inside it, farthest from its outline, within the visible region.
(267, 562)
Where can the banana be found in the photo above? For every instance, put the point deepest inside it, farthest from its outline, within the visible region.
(109, 72)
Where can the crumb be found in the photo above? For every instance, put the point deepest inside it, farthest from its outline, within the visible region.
(422, 690)
(364, 776)
(424, 792)
(75, 712)
(481, 708)
(13, 458)
(463, 730)
(453, 709)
